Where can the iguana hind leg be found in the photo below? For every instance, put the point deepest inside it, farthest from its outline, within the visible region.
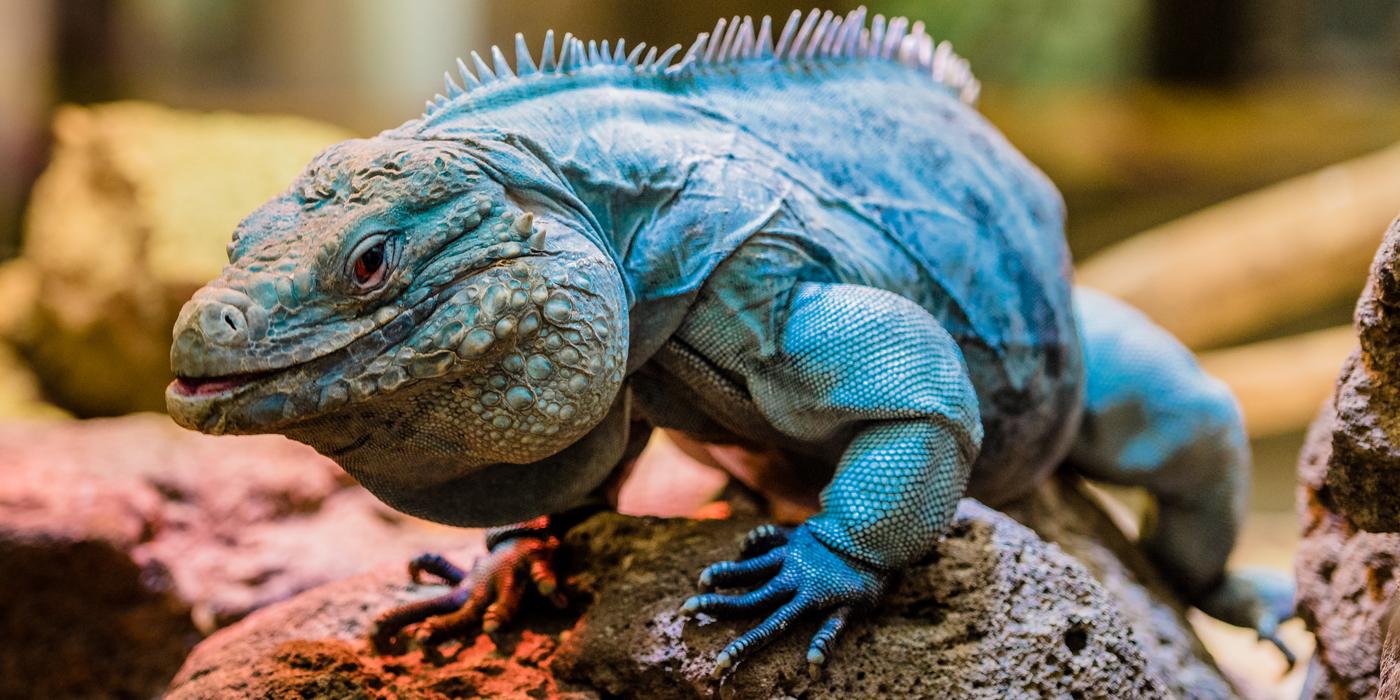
(483, 600)
(1154, 419)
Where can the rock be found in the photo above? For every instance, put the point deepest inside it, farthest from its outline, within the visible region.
(131, 216)
(124, 541)
(1345, 578)
(1390, 661)
(998, 612)
(1349, 499)
(20, 396)
(1363, 472)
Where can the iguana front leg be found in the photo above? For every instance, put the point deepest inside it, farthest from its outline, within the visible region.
(864, 363)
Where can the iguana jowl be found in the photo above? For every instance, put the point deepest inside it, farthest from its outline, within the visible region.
(808, 247)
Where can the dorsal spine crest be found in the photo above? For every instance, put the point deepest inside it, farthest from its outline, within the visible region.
(819, 36)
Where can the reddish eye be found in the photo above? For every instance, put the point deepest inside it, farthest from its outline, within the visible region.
(368, 270)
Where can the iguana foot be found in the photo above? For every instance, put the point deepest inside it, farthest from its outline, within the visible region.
(489, 598)
(1257, 599)
(803, 577)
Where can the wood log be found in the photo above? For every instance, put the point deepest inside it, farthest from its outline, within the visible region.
(1281, 383)
(1237, 268)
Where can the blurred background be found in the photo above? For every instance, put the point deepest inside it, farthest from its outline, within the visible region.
(1228, 165)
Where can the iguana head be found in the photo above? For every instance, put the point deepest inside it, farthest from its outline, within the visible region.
(400, 303)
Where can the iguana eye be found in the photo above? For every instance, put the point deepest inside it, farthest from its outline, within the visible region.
(370, 263)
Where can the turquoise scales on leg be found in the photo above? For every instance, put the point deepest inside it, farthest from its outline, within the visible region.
(801, 238)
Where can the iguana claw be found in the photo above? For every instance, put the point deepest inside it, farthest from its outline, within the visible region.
(803, 577)
(1256, 599)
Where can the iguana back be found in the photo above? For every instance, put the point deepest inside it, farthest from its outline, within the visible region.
(677, 165)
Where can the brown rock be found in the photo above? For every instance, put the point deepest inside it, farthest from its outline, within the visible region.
(1390, 661)
(997, 613)
(123, 541)
(1349, 498)
(20, 396)
(1345, 579)
(133, 214)
(1363, 473)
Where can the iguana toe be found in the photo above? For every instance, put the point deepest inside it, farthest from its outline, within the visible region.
(486, 600)
(1257, 599)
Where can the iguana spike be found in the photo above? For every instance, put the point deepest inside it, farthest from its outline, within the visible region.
(727, 44)
(580, 54)
(799, 42)
(663, 62)
(696, 49)
(857, 25)
(908, 50)
(649, 59)
(830, 35)
(451, 87)
(971, 91)
(469, 79)
(620, 52)
(524, 63)
(566, 54)
(863, 43)
(818, 35)
(716, 37)
(939, 67)
(482, 70)
(877, 36)
(743, 46)
(915, 40)
(925, 51)
(525, 224)
(536, 239)
(849, 27)
(832, 46)
(893, 36)
(503, 69)
(440, 99)
(765, 38)
(547, 64)
(786, 36)
(593, 54)
(636, 53)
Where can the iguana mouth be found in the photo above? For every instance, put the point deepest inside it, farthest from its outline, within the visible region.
(211, 386)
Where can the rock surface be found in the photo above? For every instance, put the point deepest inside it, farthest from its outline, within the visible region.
(1349, 499)
(1346, 579)
(997, 613)
(134, 213)
(124, 541)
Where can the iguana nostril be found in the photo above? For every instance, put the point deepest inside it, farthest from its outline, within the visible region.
(222, 323)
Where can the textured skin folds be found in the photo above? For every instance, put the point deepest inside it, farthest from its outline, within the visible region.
(799, 242)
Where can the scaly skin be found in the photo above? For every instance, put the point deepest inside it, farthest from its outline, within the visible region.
(800, 242)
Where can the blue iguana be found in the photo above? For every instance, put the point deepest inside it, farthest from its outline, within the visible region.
(810, 250)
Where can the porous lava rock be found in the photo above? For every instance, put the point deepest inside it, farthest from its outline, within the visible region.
(997, 612)
(1349, 498)
(1345, 580)
(124, 541)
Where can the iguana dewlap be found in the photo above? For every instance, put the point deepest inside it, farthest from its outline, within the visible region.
(798, 240)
